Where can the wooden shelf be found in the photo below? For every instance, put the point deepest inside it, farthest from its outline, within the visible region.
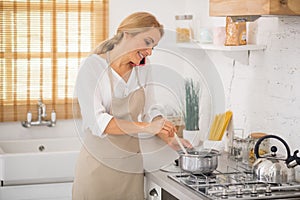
(238, 53)
(194, 45)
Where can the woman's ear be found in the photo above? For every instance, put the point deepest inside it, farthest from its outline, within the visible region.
(127, 35)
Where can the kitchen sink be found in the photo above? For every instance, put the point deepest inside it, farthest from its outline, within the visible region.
(38, 160)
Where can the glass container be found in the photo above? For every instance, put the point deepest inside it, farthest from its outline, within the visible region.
(251, 141)
(237, 145)
(238, 148)
(184, 31)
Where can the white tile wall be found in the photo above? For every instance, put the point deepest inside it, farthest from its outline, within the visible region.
(264, 95)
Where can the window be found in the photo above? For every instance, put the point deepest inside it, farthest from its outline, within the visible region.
(42, 45)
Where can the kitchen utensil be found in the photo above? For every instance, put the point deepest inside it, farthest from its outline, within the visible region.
(180, 144)
(199, 161)
(274, 168)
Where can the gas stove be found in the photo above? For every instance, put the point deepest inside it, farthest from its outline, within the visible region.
(235, 184)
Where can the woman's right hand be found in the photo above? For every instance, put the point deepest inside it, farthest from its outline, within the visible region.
(163, 127)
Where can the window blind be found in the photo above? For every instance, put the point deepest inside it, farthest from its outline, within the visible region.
(42, 45)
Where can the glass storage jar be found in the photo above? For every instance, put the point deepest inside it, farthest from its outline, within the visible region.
(263, 148)
(238, 149)
(184, 31)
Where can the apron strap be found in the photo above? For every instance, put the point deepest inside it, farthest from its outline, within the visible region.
(109, 74)
(111, 81)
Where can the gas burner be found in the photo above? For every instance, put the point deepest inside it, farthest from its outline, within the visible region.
(210, 175)
(201, 179)
(235, 185)
(203, 174)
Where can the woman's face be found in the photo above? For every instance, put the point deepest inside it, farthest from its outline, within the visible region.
(141, 45)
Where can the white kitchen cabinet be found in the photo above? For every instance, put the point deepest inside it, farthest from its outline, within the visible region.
(253, 7)
(51, 191)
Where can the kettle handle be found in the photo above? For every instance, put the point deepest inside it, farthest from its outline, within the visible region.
(256, 148)
(293, 160)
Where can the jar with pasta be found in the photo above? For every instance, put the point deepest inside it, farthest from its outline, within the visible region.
(264, 147)
(184, 31)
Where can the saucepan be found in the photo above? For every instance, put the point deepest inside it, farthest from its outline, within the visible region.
(203, 161)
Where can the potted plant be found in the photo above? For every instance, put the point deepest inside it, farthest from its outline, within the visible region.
(191, 114)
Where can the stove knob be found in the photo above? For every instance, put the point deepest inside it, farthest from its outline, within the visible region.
(268, 191)
(224, 194)
(239, 193)
(253, 191)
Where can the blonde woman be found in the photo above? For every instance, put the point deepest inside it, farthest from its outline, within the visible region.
(116, 105)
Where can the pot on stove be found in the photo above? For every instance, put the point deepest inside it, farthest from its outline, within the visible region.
(202, 161)
(273, 168)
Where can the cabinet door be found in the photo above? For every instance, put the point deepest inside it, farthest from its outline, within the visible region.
(253, 7)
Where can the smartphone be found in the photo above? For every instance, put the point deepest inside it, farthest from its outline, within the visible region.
(143, 62)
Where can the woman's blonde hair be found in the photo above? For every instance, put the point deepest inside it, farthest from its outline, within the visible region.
(133, 24)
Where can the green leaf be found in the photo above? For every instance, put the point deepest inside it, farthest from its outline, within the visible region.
(192, 94)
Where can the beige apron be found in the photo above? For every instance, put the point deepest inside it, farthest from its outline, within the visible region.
(112, 167)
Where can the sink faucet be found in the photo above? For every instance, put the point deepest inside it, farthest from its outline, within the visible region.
(41, 111)
(41, 121)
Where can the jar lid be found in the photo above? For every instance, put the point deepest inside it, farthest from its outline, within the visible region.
(257, 135)
(183, 17)
(239, 140)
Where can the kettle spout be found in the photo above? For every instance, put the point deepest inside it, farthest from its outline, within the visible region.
(293, 161)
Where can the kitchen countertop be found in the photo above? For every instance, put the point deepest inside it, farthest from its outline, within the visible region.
(179, 191)
(182, 192)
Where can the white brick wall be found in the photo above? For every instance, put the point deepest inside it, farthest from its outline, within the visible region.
(265, 95)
